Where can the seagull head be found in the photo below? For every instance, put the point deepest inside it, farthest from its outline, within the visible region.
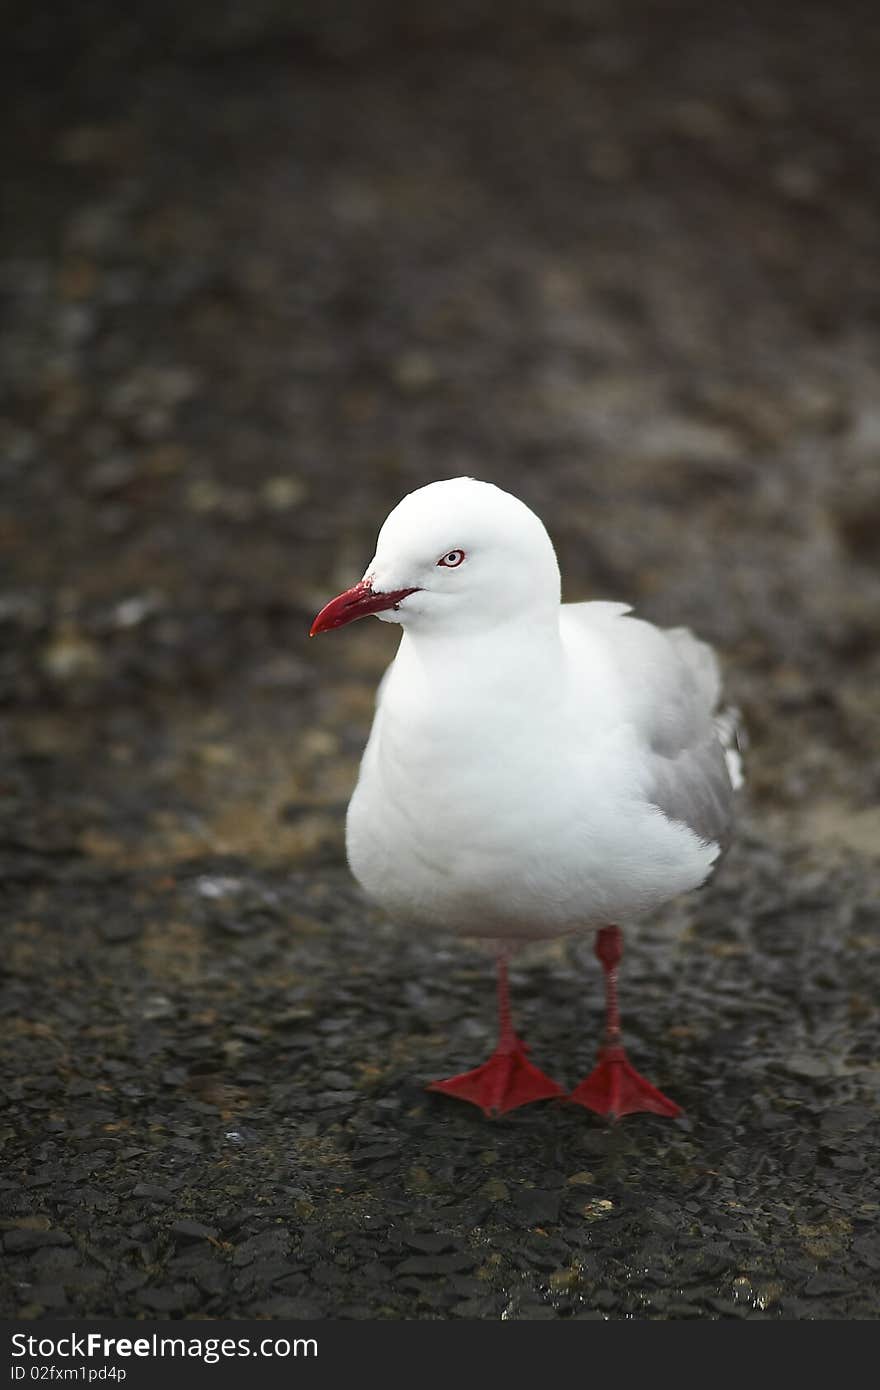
(454, 555)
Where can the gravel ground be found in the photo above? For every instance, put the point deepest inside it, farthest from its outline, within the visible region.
(265, 269)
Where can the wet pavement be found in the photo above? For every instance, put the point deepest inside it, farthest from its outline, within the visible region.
(261, 275)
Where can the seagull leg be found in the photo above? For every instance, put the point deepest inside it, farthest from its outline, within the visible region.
(614, 1087)
(508, 1079)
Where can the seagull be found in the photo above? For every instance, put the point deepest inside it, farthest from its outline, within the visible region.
(534, 769)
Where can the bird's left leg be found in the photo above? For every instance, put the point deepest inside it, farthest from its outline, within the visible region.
(508, 1079)
(614, 1087)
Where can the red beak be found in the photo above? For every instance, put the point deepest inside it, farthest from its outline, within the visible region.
(356, 602)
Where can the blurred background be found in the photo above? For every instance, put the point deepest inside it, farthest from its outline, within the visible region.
(265, 268)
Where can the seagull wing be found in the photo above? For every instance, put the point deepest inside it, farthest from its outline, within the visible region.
(666, 684)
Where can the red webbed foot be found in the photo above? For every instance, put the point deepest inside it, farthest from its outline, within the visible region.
(615, 1088)
(505, 1082)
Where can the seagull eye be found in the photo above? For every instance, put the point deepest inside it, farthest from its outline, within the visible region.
(451, 559)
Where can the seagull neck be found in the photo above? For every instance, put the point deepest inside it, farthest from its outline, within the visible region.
(526, 649)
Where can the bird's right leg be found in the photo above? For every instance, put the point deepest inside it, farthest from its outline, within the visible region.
(614, 1087)
(508, 1079)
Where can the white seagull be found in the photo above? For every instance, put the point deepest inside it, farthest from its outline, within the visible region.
(534, 768)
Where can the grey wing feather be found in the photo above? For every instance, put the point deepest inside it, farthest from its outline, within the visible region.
(673, 691)
(695, 788)
(696, 773)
